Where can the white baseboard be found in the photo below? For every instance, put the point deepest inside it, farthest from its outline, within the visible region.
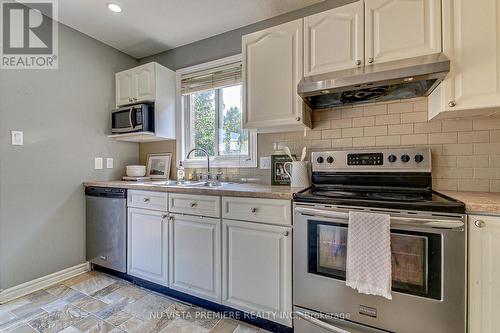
(43, 282)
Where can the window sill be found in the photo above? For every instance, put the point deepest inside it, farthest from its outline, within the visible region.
(237, 162)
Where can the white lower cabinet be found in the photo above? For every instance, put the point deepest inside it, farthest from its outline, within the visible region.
(195, 256)
(484, 274)
(147, 245)
(257, 269)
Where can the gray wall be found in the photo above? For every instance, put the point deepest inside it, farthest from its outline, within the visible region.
(64, 114)
(229, 43)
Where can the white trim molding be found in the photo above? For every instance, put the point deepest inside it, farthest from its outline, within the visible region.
(26, 288)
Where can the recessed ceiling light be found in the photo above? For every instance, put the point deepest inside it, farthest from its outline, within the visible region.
(114, 7)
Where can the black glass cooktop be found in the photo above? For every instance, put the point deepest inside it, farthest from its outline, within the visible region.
(421, 199)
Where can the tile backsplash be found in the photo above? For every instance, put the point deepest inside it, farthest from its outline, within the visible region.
(465, 152)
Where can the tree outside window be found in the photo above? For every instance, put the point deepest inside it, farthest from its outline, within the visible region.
(216, 122)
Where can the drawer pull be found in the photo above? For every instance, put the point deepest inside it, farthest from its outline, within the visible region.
(253, 210)
(103, 258)
(145, 199)
(286, 233)
(479, 223)
(193, 204)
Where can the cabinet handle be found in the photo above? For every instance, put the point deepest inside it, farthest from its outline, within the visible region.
(193, 204)
(253, 210)
(103, 258)
(358, 62)
(370, 60)
(452, 104)
(146, 199)
(479, 223)
(130, 99)
(298, 118)
(286, 233)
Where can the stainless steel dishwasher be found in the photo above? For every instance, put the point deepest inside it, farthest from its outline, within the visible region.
(106, 225)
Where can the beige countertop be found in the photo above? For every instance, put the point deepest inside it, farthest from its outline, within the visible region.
(229, 189)
(477, 202)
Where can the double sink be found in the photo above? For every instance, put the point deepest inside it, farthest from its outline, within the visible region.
(189, 183)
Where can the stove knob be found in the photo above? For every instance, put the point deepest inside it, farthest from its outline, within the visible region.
(405, 158)
(419, 158)
(392, 158)
(329, 159)
(320, 160)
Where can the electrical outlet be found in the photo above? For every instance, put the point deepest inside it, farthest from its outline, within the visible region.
(98, 163)
(16, 138)
(109, 163)
(265, 162)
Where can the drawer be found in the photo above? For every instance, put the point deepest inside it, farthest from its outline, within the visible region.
(147, 200)
(204, 205)
(257, 210)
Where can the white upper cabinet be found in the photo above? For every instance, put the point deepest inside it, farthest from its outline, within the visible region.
(272, 68)
(334, 40)
(399, 29)
(154, 84)
(195, 256)
(136, 85)
(124, 88)
(471, 39)
(484, 274)
(147, 245)
(145, 81)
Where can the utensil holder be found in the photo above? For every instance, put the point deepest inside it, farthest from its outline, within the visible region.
(299, 173)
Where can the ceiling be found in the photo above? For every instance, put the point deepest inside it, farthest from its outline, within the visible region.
(147, 27)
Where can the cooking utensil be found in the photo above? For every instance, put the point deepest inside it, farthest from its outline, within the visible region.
(287, 151)
(303, 157)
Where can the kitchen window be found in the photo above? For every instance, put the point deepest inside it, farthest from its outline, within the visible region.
(212, 116)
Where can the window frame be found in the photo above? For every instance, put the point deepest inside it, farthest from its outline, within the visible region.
(183, 126)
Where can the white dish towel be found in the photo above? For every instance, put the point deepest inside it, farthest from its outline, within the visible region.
(368, 267)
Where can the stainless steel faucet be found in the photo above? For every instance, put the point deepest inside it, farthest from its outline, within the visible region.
(209, 176)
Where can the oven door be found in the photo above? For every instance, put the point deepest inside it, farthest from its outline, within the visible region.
(428, 272)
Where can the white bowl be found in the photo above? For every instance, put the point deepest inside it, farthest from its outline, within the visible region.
(136, 170)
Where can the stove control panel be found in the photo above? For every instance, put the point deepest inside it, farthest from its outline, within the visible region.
(365, 159)
(383, 160)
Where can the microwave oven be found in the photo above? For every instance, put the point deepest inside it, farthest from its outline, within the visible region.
(133, 118)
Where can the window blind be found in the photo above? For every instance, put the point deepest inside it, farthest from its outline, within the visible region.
(213, 78)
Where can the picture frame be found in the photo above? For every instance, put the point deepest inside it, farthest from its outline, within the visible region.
(158, 166)
(278, 174)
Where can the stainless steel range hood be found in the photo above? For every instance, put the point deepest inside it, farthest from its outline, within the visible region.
(399, 79)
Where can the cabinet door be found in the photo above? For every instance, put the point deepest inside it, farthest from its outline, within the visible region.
(145, 83)
(257, 268)
(124, 88)
(334, 40)
(272, 68)
(195, 256)
(398, 29)
(484, 274)
(147, 253)
(471, 41)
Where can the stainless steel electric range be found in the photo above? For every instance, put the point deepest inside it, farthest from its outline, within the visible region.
(428, 244)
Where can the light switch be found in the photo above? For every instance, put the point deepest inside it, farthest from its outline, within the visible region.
(265, 162)
(109, 163)
(98, 163)
(17, 138)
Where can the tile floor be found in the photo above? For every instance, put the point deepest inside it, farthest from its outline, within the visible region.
(96, 302)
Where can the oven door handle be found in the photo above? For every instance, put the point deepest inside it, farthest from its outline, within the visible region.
(337, 328)
(414, 221)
